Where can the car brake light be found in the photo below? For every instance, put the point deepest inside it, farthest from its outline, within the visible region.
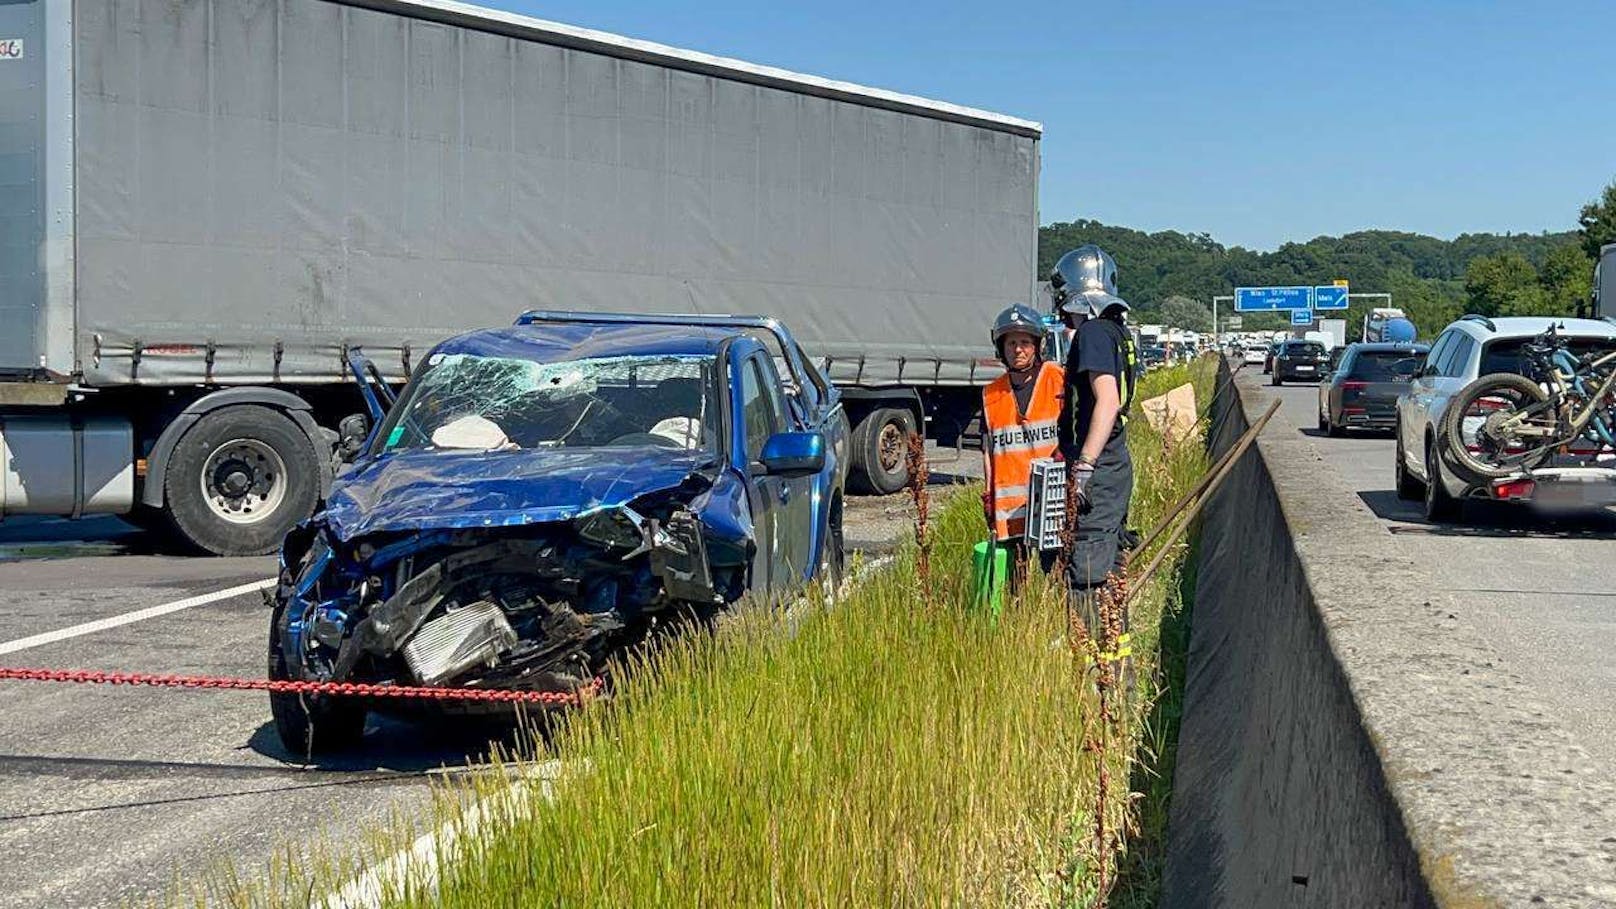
(1514, 489)
(1490, 404)
(1352, 410)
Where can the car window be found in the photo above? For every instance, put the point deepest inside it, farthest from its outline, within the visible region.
(460, 401)
(1457, 357)
(1304, 349)
(760, 407)
(1439, 349)
(1385, 365)
(1505, 355)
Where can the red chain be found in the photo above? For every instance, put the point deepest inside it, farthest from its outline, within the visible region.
(358, 689)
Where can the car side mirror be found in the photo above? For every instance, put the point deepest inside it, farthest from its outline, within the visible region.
(351, 435)
(793, 454)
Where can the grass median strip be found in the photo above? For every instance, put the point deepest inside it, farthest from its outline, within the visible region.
(898, 748)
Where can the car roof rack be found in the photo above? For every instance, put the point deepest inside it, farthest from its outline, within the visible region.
(1483, 320)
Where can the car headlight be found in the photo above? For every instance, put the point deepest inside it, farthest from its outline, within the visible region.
(615, 528)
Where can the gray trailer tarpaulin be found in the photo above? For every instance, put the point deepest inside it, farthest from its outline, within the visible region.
(262, 184)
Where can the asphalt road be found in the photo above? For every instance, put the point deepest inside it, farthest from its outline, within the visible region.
(110, 794)
(1542, 587)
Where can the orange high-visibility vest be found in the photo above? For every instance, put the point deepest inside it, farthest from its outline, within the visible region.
(1015, 440)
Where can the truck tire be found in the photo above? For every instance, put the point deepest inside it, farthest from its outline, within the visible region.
(240, 479)
(880, 465)
(309, 724)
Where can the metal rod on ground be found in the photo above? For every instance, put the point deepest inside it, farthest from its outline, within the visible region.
(1172, 513)
(1239, 449)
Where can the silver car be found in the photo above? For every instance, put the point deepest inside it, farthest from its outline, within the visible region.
(1471, 347)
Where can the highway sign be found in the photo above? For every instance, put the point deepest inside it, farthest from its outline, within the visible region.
(1272, 299)
(1330, 296)
(1301, 317)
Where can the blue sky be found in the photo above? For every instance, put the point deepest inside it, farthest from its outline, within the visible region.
(1256, 122)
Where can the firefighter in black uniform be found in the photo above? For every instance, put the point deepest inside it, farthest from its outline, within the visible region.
(1100, 373)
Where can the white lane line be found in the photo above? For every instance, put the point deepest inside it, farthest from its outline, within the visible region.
(129, 618)
(415, 868)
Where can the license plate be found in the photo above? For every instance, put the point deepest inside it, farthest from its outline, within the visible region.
(1571, 494)
(1304, 369)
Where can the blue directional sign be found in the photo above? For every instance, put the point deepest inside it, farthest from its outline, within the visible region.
(1272, 299)
(1330, 296)
(1301, 317)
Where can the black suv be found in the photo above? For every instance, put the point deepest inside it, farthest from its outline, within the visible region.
(1299, 360)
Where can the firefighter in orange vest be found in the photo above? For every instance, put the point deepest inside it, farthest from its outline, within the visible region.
(1021, 416)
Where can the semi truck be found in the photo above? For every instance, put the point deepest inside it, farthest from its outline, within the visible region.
(215, 209)
(1388, 324)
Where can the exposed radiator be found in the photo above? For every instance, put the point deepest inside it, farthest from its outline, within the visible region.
(472, 635)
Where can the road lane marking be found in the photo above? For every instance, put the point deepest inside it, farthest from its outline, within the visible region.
(129, 618)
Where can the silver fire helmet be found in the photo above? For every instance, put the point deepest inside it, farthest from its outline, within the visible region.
(1084, 282)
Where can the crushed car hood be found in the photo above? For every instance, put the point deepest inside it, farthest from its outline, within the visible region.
(441, 490)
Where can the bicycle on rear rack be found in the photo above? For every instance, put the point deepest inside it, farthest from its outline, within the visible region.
(1505, 424)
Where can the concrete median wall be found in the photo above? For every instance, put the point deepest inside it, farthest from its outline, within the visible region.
(1341, 744)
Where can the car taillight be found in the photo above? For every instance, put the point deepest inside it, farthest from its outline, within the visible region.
(1354, 386)
(1489, 405)
(1514, 489)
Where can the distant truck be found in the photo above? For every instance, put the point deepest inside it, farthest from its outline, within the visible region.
(1332, 333)
(1604, 292)
(213, 206)
(1388, 325)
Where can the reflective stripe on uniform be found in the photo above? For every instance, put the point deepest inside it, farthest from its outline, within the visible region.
(1015, 440)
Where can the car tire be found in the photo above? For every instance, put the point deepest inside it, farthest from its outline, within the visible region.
(1440, 506)
(309, 724)
(880, 445)
(833, 555)
(240, 479)
(1409, 487)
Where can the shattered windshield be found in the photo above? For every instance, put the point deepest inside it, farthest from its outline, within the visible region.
(469, 402)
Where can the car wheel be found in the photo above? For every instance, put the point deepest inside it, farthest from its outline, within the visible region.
(880, 451)
(240, 479)
(1409, 487)
(1440, 506)
(308, 724)
(833, 556)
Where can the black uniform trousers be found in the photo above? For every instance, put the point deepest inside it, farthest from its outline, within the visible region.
(1098, 547)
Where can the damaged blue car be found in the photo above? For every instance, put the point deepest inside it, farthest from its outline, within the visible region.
(540, 497)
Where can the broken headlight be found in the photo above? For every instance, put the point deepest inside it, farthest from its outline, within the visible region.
(614, 528)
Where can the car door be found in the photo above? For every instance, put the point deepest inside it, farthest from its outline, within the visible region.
(1417, 402)
(1452, 372)
(794, 496)
(754, 424)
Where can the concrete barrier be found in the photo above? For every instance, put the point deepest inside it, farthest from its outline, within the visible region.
(1341, 744)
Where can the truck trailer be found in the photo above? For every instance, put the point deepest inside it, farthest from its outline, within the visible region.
(213, 206)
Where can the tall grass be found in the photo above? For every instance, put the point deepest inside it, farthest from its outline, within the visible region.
(896, 748)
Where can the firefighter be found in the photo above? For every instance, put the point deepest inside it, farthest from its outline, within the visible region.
(1100, 373)
(1021, 413)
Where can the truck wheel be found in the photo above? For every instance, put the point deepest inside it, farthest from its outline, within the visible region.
(880, 446)
(309, 724)
(240, 479)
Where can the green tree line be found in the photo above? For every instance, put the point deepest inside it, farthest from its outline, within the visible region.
(1172, 276)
